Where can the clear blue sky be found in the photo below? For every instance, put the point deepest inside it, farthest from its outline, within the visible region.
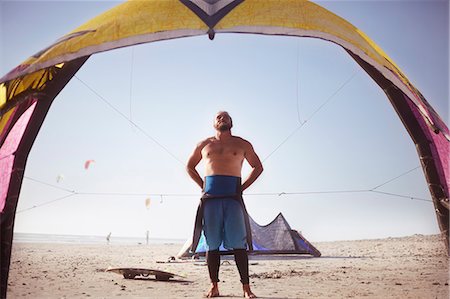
(172, 89)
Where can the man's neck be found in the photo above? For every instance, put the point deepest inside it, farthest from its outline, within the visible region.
(222, 135)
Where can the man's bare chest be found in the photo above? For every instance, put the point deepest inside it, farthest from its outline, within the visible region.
(224, 149)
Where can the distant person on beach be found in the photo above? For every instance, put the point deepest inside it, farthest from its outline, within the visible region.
(108, 238)
(222, 215)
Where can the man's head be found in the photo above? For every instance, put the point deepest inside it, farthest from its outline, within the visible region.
(223, 121)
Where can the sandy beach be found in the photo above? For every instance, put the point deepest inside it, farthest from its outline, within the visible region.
(407, 267)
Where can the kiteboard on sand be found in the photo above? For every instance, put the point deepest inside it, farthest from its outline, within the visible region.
(131, 273)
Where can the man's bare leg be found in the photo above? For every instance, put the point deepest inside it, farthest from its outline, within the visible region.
(247, 292)
(214, 291)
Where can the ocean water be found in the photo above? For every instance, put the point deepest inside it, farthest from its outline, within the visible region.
(77, 239)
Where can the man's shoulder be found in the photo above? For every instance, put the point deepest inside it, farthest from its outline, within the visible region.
(241, 140)
(205, 141)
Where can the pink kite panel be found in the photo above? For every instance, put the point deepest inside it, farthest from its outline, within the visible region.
(441, 148)
(8, 150)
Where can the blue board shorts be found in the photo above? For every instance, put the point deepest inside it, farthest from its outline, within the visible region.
(223, 218)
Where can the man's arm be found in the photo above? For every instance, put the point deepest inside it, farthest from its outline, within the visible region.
(193, 161)
(257, 168)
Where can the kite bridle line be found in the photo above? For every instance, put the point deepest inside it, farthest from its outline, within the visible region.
(278, 194)
(326, 102)
(153, 139)
(164, 148)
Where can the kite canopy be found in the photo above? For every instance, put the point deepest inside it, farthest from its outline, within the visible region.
(27, 92)
(277, 237)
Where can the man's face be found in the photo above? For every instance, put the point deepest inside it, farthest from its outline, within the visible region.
(223, 122)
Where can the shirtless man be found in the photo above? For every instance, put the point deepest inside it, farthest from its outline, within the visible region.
(224, 218)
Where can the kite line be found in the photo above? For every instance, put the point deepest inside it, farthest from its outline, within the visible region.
(130, 121)
(164, 148)
(278, 194)
(131, 80)
(297, 83)
(327, 101)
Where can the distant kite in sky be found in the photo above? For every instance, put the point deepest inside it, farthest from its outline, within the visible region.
(59, 178)
(88, 163)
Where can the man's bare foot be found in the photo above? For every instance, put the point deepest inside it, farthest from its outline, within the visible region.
(247, 292)
(214, 291)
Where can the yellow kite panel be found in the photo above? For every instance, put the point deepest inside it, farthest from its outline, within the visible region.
(126, 21)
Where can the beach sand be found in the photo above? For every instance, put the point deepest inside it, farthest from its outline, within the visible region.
(407, 267)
